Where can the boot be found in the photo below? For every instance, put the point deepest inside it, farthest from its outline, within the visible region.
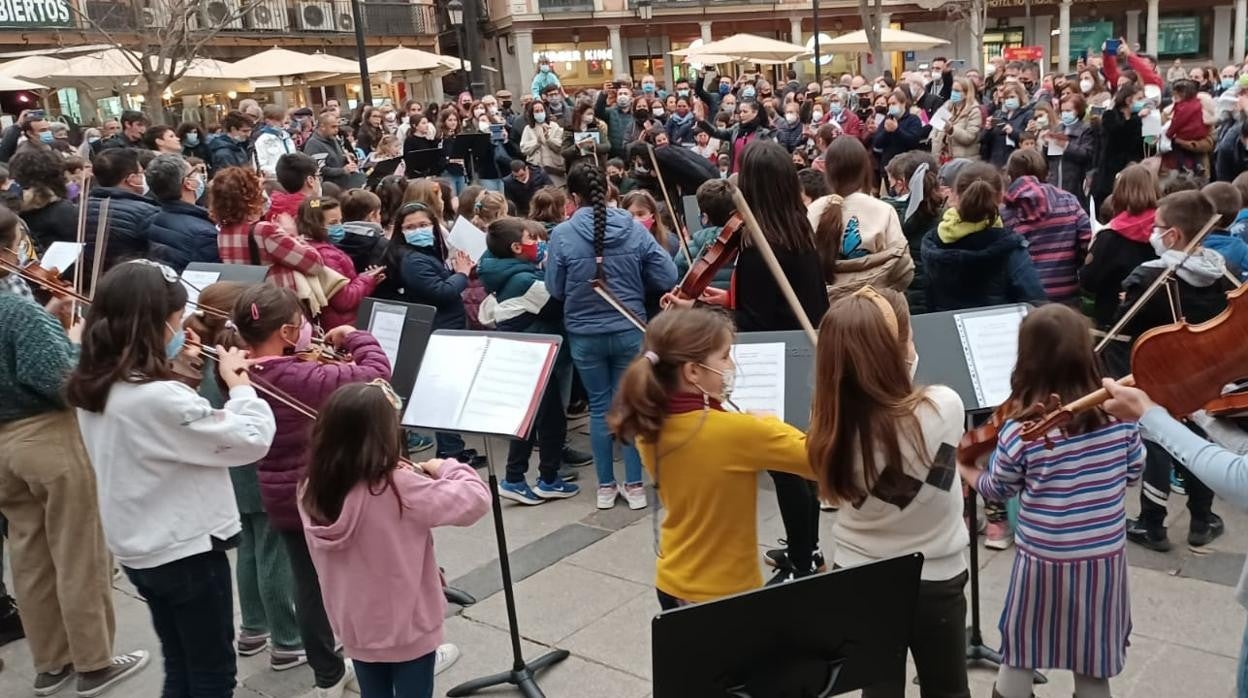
(10, 621)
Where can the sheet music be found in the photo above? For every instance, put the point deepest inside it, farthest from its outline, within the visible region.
(194, 282)
(760, 378)
(505, 388)
(583, 136)
(467, 237)
(940, 118)
(1055, 147)
(990, 342)
(444, 380)
(61, 256)
(386, 326)
(1151, 124)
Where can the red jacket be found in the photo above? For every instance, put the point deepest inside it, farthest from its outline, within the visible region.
(344, 304)
(310, 383)
(1109, 66)
(280, 202)
(1187, 121)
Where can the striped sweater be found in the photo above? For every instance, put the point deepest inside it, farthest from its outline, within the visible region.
(1057, 231)
(1072, 493)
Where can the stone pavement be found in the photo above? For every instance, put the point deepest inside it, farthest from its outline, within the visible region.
(584, 583)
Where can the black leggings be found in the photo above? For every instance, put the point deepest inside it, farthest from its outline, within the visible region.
(799, 510)
(937, 642)
(1155, 489)
(318, 637)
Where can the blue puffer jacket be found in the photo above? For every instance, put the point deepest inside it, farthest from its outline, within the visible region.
(181, 233)
(634, 263)
(129, 216)
(224, 152)
(423, 278)
(986, 268)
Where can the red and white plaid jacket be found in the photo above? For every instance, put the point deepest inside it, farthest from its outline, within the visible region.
(281, 251)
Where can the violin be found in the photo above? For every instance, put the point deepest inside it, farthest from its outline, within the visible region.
(721, 251)
(980, 441)
(49, 279)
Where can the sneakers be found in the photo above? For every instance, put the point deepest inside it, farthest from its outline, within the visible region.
(94, 683)
(998, 536)
(567, 474)
(281, 660)
(418, 442)
(1177, 484)
(555, 490)
(336, 691)
(49, 682)
(447, 654)
(779, 558)
(10, 621)
(1138, 532)
(635, 495)
(471, 457)
(786, 574)
(607, 495)
(518, 492)
(250, 644)
(1203, 533)
(575, 458)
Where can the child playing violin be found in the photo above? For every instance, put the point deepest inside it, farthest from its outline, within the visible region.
(1070, 534)
(703, 459)
(161, 454)
(270, 323)
(319, 220)
(1198, 292)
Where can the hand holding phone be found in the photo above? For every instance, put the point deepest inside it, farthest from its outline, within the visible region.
(1112, 46)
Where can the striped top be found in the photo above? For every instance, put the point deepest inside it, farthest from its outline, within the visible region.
(1072, 493)
(1057, 231)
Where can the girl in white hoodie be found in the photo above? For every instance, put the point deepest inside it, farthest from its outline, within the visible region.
(162, 455)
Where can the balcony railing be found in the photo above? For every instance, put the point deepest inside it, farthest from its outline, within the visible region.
(566, 5)
(268, 17)
(658, 4)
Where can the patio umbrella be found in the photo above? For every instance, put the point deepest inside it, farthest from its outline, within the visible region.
(8, 84)
(32, 67)
(747, 47)
(890, 40)
(401, 59)
(281, 63)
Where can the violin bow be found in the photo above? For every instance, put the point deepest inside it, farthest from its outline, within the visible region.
(773, 264)
(81, 237)
(680, 229)
(1166, 273)
(101, 243)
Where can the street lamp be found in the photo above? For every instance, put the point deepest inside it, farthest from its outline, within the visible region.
(645, 12)
(455, 12)
(361, 54)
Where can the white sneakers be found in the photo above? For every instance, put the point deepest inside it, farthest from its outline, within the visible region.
(635, 495)
(447, 654)
(345, 685)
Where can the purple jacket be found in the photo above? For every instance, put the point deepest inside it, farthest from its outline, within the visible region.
(310, 383)
(1057, 231)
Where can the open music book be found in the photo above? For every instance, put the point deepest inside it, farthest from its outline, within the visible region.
(483, 384)
(990, 342)
(760, 378)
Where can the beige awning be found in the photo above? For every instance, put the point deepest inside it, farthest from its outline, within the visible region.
(282, 63)
(890, 40)
(403, 60)
(745, 47)
(32, 67)
(8, 84)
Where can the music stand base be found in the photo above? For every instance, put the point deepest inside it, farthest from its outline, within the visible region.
(977, 652)
(520, 678)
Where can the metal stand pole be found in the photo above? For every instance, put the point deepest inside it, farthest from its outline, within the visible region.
(361, 54)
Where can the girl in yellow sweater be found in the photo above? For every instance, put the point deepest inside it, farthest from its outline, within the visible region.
(703, 460)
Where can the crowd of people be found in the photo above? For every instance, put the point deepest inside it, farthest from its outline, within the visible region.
(159, 432)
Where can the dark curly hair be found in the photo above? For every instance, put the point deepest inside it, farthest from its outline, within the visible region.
(39, 169)
(237, 196)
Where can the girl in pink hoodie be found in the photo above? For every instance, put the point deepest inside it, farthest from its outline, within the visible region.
(368, 520)
(320, 221)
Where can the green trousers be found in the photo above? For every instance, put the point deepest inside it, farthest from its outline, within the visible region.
(265, 586)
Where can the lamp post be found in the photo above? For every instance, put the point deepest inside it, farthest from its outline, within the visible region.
(366, 83)
(814, 7)
(455, 13)
(645, 12)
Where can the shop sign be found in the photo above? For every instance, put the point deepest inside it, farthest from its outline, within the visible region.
(1024, 53)
(1178, 36)
(570, 55)
(35, 14)
(1089, 36)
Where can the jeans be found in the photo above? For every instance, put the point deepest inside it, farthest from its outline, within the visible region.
(937, 643)
(601, 360)
(314, 628)
(491, 184)
(192, 606)
(458, 182)
(411, 679)
(1241, 682)
(550, 429)
(1155, 490)
(798, 499)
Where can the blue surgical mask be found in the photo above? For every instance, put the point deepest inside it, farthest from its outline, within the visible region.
(539, 117)
(200, 185)
(682, 93)
(336, 232)
(647, 87)
(1228, 83)
(836, 108)
(544, 68)
(174, 346)
(1010, 103)
(192, 139)
(748, 93)
(93, 139)
(894, 110)
(1137, 107)
(955, 97)
(46, 136)
(724, 88)
(1069, 118)
(419, 237)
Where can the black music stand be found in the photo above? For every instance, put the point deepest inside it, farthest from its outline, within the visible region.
(761, 644)
(417, 326)
(522, 674)
(942, 361)
(242, 273)
(429, 162)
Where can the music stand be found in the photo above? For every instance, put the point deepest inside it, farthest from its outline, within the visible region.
(473, 149)
(423, 163)
(799, 371)
(242, 273)
(762, 643)
(417, 325)
(382, 169)
(942, 361)
(522, 673)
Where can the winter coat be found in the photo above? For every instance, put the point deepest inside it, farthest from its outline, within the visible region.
(418, 275)
(622, 126)
(181, 233)
(996, 146)
(633, 261)
(737, 137)
(542, 145)
(365, 243)
(1230, 155)
(520, 193)
(311, 383)
(1121, 144)
(1057, 231)
(886, 146)
(271, 145)
(129, 216)
(518, 301)
(541, 81)
(344, 305)
(683, 171)
(224, 152)
(334, 161)
(282, 203)
(963, 141)
(680, 130)
(597, 153)
(1232, 248)
(990, 267)
(1116, 250)
(48, 218)
(1069, 171)
(789, 135)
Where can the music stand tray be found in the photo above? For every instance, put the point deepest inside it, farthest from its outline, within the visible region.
(763, 643)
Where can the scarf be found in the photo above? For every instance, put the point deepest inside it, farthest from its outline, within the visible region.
(1202, 269)
(1136, 227)
(680, 403)
(952, 228)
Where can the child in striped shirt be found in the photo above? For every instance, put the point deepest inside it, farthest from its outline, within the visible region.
(1067, 606)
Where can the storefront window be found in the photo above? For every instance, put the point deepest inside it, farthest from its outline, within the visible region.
(578, 65)
(640, 66)
(996, 41)
(1086, 38)
(1179, 36)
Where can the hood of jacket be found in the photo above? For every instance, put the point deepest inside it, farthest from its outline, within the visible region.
(365, 228)
(37, 198)
(1028, 197)
(499, 274)
(973, 254)
(224, 142)
(1136, 227)
(280, 202)
(581, 225)
(342, 532)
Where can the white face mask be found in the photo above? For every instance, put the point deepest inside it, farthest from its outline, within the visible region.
(728, 378)
(791, 118)
(1157, 240)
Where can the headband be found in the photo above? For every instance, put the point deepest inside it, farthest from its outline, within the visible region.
(916, 190)
(652, 357)
(886, 308)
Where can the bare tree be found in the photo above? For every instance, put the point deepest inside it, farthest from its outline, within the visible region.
(160, 38)
(974, 13)
(873, 25)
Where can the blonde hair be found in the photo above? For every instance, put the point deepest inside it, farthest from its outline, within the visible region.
(489, 207)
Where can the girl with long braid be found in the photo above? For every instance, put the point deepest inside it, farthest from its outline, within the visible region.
(596, 252)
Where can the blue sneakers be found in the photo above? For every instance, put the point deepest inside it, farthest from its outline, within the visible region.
(418, 442)
(518, 492)
(556, 490)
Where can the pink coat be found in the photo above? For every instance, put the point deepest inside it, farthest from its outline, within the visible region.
(379, 579)
(345, 303)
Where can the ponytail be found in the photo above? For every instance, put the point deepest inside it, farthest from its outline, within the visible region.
(847, 166)
(208, 324)
(829, 235)
(979, 188)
